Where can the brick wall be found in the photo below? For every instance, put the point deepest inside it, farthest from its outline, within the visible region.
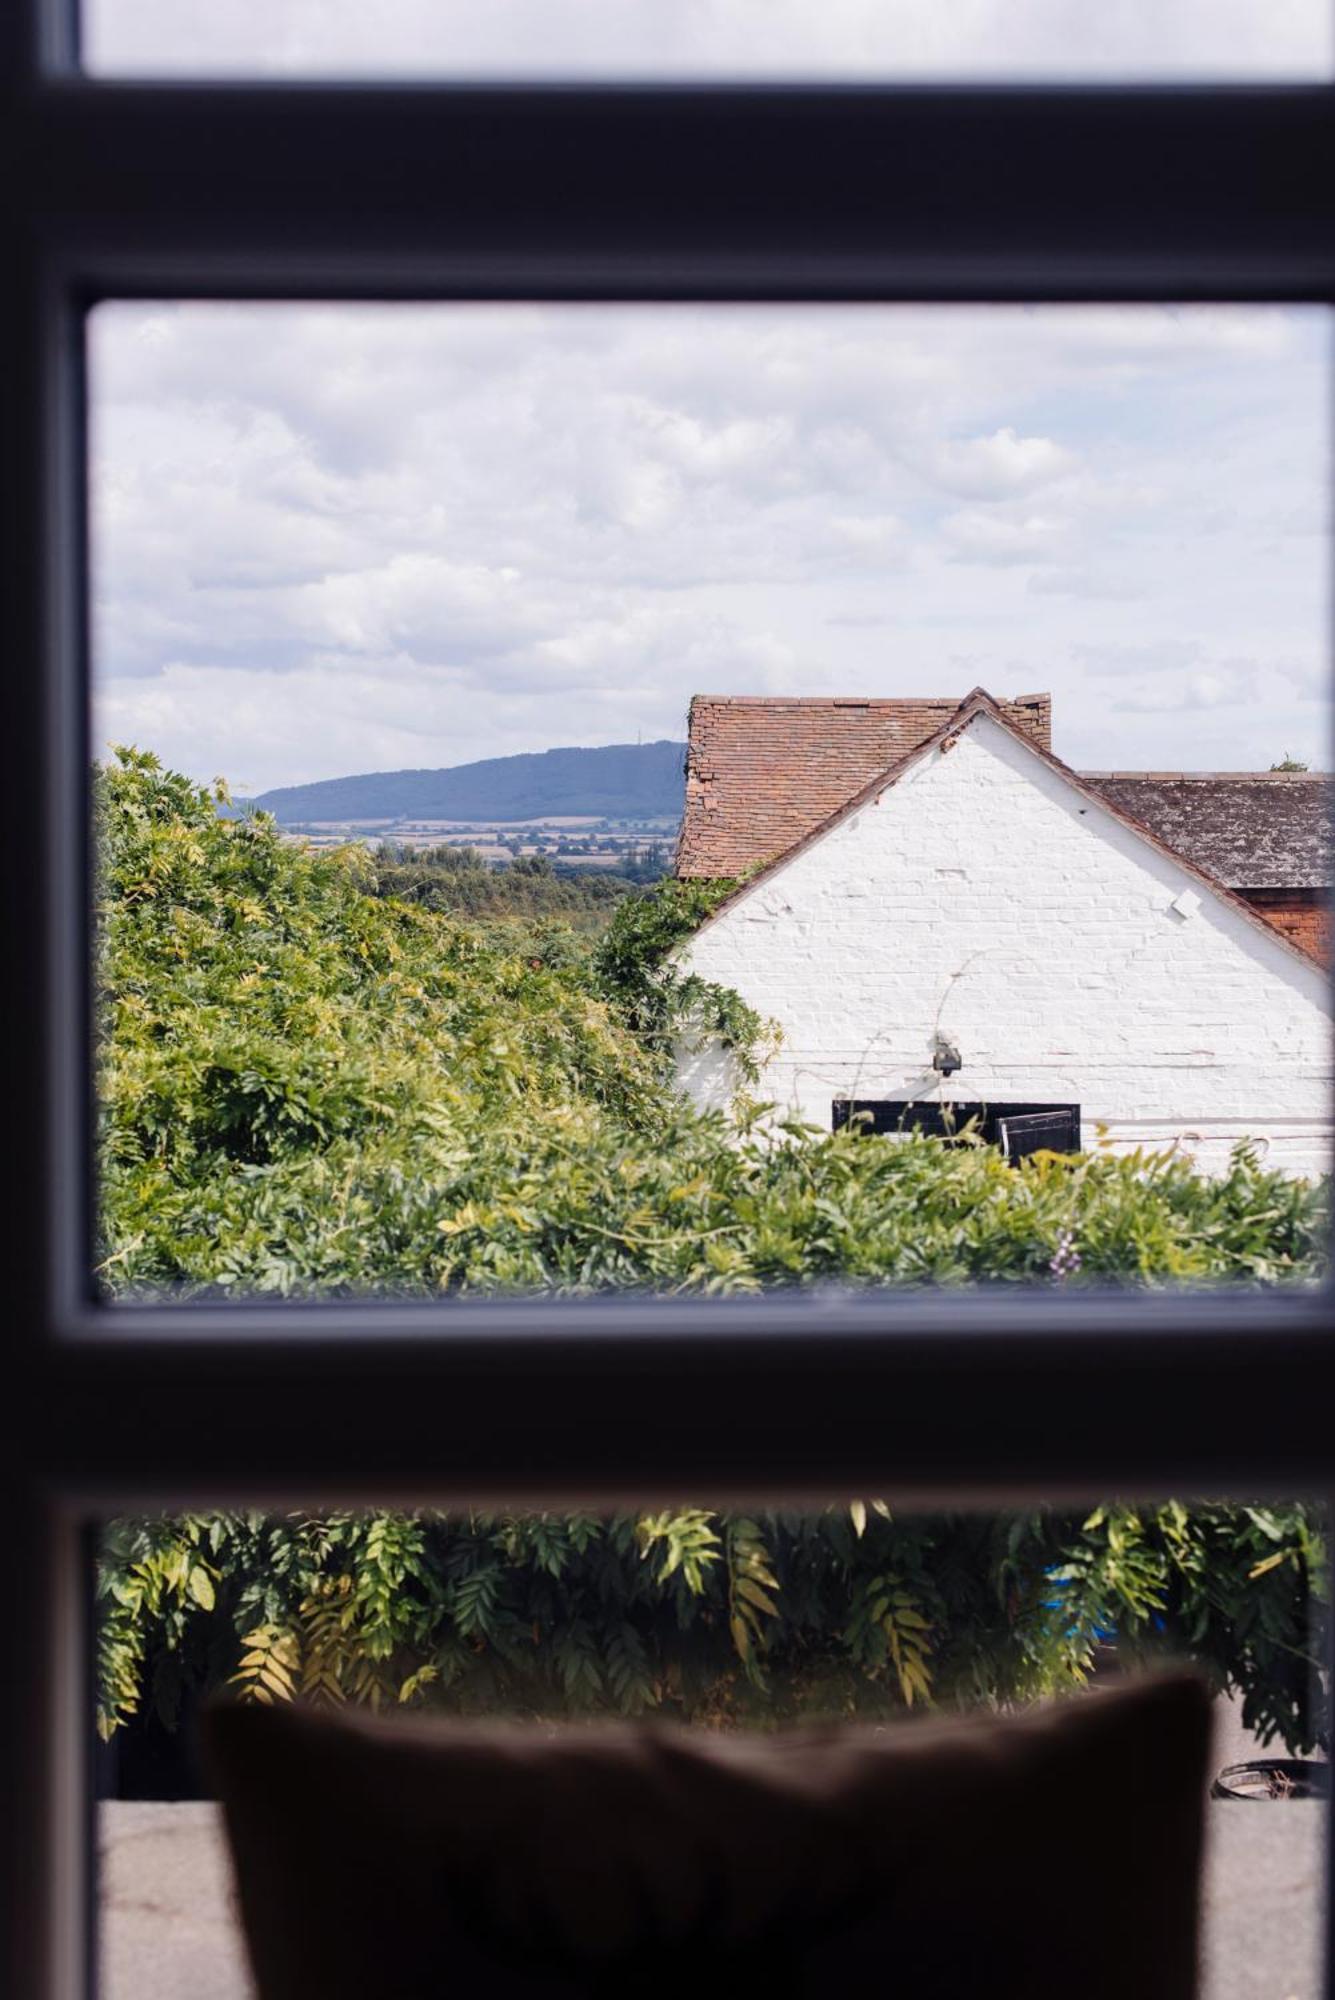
(1069, 960)
(1301, 915)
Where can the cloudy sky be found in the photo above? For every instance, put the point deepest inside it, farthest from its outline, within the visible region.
(332, 539)
(699, 38)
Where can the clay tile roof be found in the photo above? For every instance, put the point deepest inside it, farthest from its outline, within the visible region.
(763, 771)
(1252, 829)
(960, 718)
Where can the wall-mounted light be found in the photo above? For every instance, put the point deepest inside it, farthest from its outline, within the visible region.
(946, 1058)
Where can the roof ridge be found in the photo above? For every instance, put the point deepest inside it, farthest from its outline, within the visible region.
(981, 703)
(947, 701)
(1194, 777)
(761, 769)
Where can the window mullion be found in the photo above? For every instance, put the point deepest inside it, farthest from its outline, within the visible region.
(726, 193)
(817, 1396)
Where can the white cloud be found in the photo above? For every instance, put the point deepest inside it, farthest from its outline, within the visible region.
(1222, 684)
(1088, 585)
(421, 607)
(345, 537)
(1118, 659)
(993, 468)
(977, 537)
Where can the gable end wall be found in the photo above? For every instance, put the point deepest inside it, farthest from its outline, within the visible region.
(984, 896)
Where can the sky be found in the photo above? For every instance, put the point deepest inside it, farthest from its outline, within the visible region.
(333, 539)
(340, 538)
(716, 38)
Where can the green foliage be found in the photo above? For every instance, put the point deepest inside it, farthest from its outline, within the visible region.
(696, 1213)
(459, 882)
(707, 1617)
(307, 1088)
(276, 1047)
(1287, 763)
(634, 965)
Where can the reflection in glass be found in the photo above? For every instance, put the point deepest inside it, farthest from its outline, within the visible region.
(718, 1619)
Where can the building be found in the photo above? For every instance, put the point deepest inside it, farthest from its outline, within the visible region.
(941, 918)
(1265, 834)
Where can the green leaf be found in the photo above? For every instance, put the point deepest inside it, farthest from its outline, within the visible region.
(201, 1587)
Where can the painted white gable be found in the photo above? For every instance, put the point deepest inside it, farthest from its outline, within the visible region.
(984, 896)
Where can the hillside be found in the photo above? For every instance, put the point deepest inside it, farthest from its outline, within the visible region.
(615, 781)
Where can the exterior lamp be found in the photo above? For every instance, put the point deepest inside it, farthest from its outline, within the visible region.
(945, 1056)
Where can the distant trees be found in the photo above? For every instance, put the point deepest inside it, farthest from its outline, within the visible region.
(1287, 763)
(459, 881)
(646, 864)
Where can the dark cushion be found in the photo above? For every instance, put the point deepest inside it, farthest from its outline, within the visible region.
(1053, 1854)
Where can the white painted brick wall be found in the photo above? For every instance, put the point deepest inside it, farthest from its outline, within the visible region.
(984, 897)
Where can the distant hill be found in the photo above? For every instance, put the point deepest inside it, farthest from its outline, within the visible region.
(618, 781)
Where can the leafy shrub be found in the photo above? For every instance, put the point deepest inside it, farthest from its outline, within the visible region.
(704, 1616)
(265, 1024)
(307, 1088)
(633, 962)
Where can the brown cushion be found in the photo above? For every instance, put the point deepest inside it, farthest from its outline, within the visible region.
(1053, 1854)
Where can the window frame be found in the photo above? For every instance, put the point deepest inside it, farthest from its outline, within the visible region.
(945, 1117)
(451, 191)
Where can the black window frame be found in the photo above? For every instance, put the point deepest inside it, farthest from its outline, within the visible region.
(944, 1117)
(116, 188)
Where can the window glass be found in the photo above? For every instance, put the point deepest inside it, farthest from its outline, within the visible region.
(712, 798)
(714, 39)
(724, 1620)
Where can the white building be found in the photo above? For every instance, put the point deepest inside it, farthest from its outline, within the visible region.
(977, 926)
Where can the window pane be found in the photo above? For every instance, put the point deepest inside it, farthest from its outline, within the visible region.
(721, 1620)
(712, 39)
(759, 796)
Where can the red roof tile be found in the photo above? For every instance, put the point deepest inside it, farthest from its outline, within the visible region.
(762, 771)
(980, 702)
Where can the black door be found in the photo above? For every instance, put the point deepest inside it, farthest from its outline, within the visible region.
(1019, 1129)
